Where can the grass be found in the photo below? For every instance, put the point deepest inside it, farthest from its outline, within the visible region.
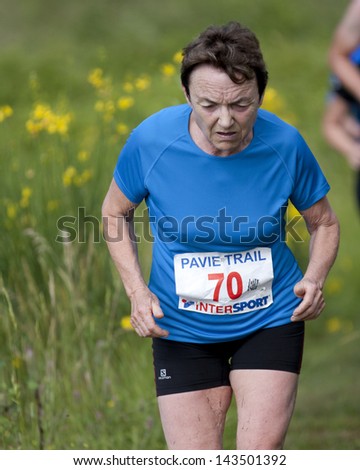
(71, 375)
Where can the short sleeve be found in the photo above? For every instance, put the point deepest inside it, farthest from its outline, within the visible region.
(128, 173)
(310, 184)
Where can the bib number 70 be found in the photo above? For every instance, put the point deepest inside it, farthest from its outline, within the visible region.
(234, 284)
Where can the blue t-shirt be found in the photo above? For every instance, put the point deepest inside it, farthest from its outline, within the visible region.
(355, 56)
(220, 265)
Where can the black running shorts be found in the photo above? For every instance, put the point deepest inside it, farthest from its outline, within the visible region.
(184, 367)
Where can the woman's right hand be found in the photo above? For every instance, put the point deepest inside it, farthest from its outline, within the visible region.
(145, 308)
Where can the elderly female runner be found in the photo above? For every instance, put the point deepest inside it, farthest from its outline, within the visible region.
(226, 301)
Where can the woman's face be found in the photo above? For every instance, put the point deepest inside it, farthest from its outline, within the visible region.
(223, 112)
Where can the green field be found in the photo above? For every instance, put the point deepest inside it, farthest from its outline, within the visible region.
(76, 76)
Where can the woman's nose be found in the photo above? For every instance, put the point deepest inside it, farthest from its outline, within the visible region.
(225, 117)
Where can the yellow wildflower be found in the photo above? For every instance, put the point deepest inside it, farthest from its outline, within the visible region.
(333, 325)
(83, 156)
(83, 178)
(272, 101)
(99, 106)
(108, 110)
(125, 102)
(41, 111)
(16, 362)
(26, 192)
(142, 83)
(52, 205)
(270, 95)
(109, 106)
(60, 124)
(43, 118)
(168, 70)
(24, 203)
(33, 127)
(292, 212)
(69, 175)
(178, 57)
(110, 404)
(51, 127)
(122, 128)
(106, 107)
(11, 210)
(128, 87)
(96, 79)
(25, 196)
(125, 323)
(5, 112)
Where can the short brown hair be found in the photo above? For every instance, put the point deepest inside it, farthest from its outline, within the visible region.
(232, 48)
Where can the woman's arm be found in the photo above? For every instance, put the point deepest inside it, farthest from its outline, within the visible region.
(117, 212)
(324, 231)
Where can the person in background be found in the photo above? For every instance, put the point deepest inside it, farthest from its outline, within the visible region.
(227, 302)
(341, 120)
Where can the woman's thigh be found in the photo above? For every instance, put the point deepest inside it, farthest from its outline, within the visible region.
(195, 420)
(265, 402)
(264, 380)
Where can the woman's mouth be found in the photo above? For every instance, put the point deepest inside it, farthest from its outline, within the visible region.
(226, 135)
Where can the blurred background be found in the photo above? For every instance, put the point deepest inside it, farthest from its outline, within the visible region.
(76, 76)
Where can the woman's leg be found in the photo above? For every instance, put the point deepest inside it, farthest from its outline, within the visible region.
(195, 420)
(265, 403)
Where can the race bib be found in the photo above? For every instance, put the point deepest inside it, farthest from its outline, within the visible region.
(224, 283)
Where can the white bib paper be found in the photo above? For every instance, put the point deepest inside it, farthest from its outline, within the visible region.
(224, 283)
